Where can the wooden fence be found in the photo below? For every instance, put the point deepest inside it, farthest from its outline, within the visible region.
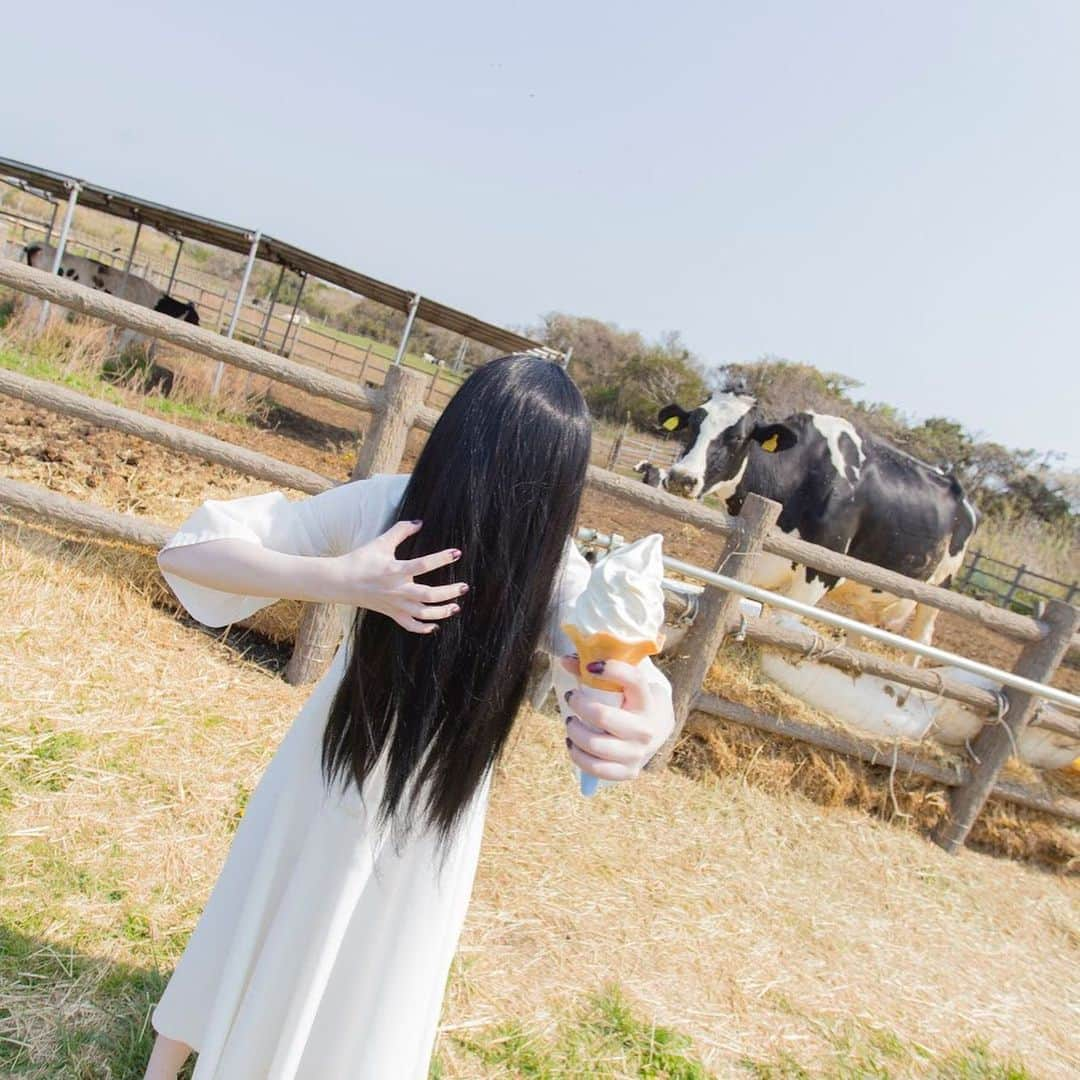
(397, 406)
(1011, 586)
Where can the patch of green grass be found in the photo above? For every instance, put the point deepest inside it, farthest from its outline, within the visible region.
(863, 1052)
(37, 760)
(603, 1038)
(39, 367)
(239, 805)
(110, 1035)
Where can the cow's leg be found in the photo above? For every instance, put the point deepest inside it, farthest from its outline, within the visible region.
(922, 629)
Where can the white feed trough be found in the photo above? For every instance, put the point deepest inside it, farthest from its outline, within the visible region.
(889, 709)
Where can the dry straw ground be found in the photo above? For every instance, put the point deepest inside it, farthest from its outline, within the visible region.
(763, 926)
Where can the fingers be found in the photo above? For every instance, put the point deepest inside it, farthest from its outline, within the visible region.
(571, 663)
(605, 770)
(631, 679)
(426, 563)
(433, 611)
(620, 723)
(399, 532)
(407, 622)
(436, 594)
(602, 746)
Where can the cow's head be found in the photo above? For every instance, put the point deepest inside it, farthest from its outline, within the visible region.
(716, 438)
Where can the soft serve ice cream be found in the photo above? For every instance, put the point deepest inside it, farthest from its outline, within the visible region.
(618, 616)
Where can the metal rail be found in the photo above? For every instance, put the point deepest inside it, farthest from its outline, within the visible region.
(830, 618)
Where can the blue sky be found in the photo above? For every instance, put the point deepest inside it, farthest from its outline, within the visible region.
(887, 190)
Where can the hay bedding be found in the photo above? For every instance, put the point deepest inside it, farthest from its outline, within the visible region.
(719, 748)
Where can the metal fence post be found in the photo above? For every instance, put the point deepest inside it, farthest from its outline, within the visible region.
(972, 566)
(699, 647)
(995, 742)
(414, 305)
(61, 244)
(248, 267)
(1008, 599)
(381, 452)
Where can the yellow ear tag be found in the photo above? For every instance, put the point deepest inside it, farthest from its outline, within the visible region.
(770, 443)
(671, 423)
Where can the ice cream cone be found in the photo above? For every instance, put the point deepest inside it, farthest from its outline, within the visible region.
(603, 646)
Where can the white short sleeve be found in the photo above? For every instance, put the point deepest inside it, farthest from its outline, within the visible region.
(574, 574)
(330, 523)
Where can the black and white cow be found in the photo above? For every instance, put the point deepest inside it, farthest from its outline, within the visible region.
(652, 475)
(839, 487)
(96, 275)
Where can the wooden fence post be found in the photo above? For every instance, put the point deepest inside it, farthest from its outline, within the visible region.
(995, 741)
(381, 452)
(699, 647)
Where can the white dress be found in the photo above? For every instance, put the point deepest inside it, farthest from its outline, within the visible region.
(322, 952)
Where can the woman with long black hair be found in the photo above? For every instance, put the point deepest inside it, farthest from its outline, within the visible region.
(324, 947)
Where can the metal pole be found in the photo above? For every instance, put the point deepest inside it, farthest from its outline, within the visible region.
(413, 305)
(175, 265)
(459, 360)
(830, 618)
(253, 251)
(130, 260)
(52, 221)
(73, 198)
(270, 307)
(292, 315)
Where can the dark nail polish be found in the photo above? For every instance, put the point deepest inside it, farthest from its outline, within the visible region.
(566, 696)
(568, 742)
(596, 667)
(416, 521)
(569, 718)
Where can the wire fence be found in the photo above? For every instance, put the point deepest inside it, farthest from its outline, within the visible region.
(279, 329)
(1010, 586)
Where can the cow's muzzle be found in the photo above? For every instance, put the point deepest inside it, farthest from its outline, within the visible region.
(681, 484)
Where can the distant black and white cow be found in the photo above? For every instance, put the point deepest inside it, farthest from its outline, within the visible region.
(110, 279)
(652, 475)
(841, 488)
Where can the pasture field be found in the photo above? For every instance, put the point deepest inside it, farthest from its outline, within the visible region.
(387, 352)
(735, 916)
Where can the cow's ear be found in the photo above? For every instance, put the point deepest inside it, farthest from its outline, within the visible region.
(672, 418)
(774, 437)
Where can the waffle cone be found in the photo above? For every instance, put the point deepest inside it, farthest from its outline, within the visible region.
(605, 646)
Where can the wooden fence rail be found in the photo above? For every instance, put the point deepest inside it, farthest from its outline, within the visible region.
(399, 406)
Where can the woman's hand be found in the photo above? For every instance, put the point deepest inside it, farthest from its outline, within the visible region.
(372, 577)
(624, 738)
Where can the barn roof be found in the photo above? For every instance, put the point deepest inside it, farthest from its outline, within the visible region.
(180, 223)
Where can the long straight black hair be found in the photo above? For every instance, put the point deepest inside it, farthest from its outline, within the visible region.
(501, 478)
